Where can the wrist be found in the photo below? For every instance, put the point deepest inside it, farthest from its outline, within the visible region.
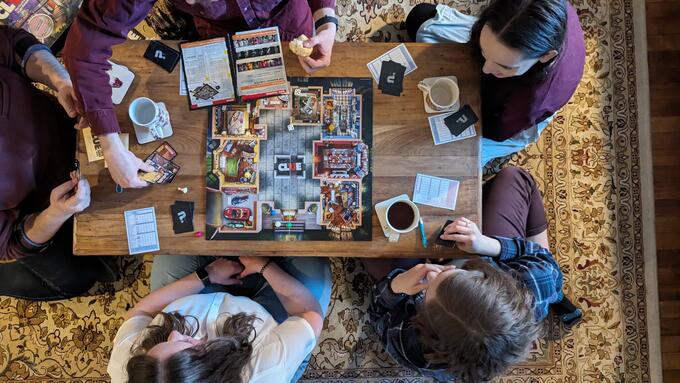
(492, 247)
(110, 142)
(54, 214)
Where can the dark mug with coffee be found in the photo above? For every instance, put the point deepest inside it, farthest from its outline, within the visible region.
(402, 217)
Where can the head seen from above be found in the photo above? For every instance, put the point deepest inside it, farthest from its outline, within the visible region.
(477, 321)
(513, 36)
(168, 352)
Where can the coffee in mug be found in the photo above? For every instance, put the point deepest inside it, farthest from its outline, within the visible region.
(400, 215)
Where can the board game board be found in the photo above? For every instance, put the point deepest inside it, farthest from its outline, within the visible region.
(293, 167)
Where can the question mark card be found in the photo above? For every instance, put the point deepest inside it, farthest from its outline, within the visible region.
(182, 216)
(391, 78)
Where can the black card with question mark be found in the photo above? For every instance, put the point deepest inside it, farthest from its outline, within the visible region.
(182, 216)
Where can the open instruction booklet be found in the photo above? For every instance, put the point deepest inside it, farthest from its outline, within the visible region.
(242, 66)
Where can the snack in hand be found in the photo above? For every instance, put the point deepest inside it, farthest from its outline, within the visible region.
(297, 47)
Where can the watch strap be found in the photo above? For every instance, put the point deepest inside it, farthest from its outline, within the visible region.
(202, 274)
(324, 20)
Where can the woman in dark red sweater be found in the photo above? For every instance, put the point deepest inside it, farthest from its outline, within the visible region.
(533, 54)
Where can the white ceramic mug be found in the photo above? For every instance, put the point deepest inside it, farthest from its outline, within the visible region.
(395, 233)
(442, 94)
(150, 119)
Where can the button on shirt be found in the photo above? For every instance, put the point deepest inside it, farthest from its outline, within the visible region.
(278, 349)
(100, 24)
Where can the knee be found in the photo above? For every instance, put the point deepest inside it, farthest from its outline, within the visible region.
(418, 15)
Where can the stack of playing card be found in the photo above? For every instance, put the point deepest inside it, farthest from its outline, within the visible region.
(391, 78)
(182, 216)
(161, 160)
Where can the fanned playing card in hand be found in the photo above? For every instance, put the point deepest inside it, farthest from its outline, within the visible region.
(161, 160)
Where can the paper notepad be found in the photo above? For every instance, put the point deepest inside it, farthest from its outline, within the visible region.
(435, 191)
(441, 133)
(142, 232)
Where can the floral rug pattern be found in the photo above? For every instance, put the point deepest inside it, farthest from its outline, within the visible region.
(587, 166)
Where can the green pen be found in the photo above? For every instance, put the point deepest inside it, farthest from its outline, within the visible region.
(423, 237)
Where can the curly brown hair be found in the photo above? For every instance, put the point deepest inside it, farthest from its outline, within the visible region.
(218, 360)
(479, 324)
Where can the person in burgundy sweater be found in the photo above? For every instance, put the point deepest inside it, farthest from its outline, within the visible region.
(38, 196)
(101, 24)
(533, 55)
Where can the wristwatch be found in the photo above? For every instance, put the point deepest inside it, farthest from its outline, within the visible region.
(203, 276)
(324, 20)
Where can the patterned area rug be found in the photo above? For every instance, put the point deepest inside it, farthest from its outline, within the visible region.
(587, 166)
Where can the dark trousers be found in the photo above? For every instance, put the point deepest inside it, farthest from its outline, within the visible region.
(511, 207)
(53, 274)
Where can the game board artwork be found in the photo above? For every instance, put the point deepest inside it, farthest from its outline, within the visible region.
(292, 167)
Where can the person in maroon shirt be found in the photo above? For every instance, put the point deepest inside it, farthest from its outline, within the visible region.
(100, 24)
(533, 55)
(38, 191)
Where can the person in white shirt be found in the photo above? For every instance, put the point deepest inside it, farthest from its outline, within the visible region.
(255, 320)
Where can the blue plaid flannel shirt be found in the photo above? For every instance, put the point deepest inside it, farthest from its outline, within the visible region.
(391, 313)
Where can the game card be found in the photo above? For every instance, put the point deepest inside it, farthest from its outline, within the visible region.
(161, 160)
(120, 79)
(142, 231)
(398, 54)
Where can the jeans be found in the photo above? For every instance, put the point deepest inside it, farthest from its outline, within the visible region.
(53, 274)
(494, 149)
(313, 272)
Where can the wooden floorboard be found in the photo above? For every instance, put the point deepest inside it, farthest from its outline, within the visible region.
(663, 37)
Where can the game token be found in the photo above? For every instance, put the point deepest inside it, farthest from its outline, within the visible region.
(291, 127)
(277, 224)
(198, 234)
(184, 190)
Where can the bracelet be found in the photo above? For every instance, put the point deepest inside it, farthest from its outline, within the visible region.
(324, 20)
(269, 261)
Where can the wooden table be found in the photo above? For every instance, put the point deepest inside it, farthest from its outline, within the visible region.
(402, 147)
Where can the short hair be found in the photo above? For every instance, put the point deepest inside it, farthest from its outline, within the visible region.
(218, 360)
(479, 324)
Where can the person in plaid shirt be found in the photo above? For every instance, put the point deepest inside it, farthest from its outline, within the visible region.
(472, 319)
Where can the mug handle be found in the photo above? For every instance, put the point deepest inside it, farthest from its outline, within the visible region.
(425, 88)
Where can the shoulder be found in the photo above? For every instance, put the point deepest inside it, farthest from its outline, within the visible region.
(127, 335)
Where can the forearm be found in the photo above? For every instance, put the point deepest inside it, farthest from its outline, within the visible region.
(157, 300)
(44, 68)
(40, 228)
(293, 295)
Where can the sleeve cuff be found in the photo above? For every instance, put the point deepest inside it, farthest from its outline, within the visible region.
(315, 5)
(389, 297)
(103, 121)
(508, 247)
(26, 53)
(27, 246)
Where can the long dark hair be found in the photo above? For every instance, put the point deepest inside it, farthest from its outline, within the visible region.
(480, 323)
(533, 27)
(218, 360)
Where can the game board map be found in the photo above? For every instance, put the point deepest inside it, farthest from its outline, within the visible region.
(292, 167)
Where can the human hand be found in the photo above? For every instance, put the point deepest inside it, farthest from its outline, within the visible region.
(469, 238)
(414, 280)
(71, 197)
(224, 272)
(252, 265)
(323, 49)
(123, 165)
(66, 96)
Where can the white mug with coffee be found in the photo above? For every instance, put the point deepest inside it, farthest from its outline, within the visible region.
(150, 119)
(402, 217)
(442, 94)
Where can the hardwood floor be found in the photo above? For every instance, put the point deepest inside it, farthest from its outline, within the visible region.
(663, 37)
